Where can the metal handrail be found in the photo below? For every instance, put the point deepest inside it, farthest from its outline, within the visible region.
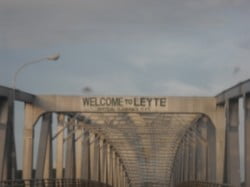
(51, 183)
(202, 184)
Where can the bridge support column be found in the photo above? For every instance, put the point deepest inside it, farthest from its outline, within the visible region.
(86, 156)
(247, 139)
(114, 173)
(118, 174)
(211, 153)
(48, 166)
(103, 161)
(201, 152)
(94, 158)
(109, 165)
(7, 140)
(220, 139)
(70, 151)
(232, 162)
(44, 156)
(79, 150)
(30, 118)
(60, 146)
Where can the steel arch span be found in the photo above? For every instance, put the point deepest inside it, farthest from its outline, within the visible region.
(125, 141)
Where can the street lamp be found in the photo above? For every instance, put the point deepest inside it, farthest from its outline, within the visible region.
(13, 156)
(54, 57)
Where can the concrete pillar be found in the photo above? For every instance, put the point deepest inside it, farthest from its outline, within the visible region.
(44, 151)
(114, 174)
(94, 172)
(109, 165)
(70, 151)
(30, 118)
(103, 161)
(117, 171)
(124, 179)
(79, 151)
(3, 136)
(201, 152)
(220, 142)
(211, 152)
(8, 162)
(86, 156)
(121, 175)
(60, 146)
(232, 173)
(48, 165)
(247, 139)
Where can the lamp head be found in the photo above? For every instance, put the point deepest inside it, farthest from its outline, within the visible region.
(54, 57)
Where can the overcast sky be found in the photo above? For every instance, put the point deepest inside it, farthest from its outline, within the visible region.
(126, 47)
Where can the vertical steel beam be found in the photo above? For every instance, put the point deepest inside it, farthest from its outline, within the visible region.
(103, 161)
(48, 165)
(114, 174)
(86, 156)
(192, 145)
(30, 118)
(109, 164)
(247, 138)
(117, 171)
(79, 151)
(232, 173)
(60, 146)
(93, 158)
(3, 136)
(70, 151)
(97, 158)
(201, 151)
(211, 152)
(220, 141)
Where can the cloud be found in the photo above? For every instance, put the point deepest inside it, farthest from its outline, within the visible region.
(26, 23)
(178, 88)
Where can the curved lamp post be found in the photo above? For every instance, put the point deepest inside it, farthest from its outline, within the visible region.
(49, 58)
(54, 57)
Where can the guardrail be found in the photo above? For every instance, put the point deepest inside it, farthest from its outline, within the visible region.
(202, 184)
(52, 183)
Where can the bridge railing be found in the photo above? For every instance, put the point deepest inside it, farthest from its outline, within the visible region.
(51, 183)
(202, 184)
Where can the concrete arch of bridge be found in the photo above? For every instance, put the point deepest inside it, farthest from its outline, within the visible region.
(195, 156)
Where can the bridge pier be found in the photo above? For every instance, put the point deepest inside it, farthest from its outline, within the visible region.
(110, 166)
(79, 150)
(247, 138)
(31, 116)
(60, 146)
(94, 157)
(86, 156)
(70, 165)
(232, 161)
(7, 140)
(44, 156)
(202, 151)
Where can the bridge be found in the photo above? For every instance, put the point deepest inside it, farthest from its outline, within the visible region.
(125, 141)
